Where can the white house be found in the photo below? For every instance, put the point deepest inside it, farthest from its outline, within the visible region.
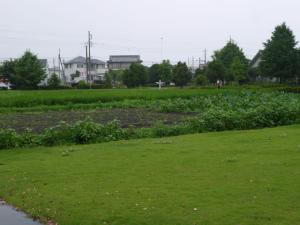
(75, 70)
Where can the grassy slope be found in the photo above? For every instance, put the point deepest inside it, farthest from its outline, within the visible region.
(245, 178)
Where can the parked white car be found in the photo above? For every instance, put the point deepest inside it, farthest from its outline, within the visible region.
(4, 86)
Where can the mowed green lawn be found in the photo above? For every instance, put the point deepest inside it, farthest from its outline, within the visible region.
(228, 178)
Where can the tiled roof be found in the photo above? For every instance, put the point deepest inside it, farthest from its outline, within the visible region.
(124, 58)
(81, 59)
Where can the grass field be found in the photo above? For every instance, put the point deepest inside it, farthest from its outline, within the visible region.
(227, 178)
(62, 97)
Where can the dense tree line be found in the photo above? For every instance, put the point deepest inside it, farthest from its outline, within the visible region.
(140, 75)
(279, 59)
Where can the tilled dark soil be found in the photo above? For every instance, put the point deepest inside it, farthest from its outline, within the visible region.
(41, 120)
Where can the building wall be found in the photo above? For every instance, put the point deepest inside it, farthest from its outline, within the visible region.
(96, 71)
(119, 66)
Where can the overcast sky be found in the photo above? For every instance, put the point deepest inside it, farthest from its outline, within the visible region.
(137, 26)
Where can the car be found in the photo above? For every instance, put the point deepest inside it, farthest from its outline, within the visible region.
(4, 86)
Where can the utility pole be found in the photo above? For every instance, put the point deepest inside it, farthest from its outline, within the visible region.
(89, 57)
(59, 73)
(87, 63)
(61, 68)
(205, 56)
(193, 62)
(53, 66)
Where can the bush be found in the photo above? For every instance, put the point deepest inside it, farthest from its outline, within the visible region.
(82, 85)
(9, 139)
(201, 80)
(56, 135)
(84, 132)
(28, 138)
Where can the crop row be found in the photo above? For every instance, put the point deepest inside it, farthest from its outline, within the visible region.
(233, 114)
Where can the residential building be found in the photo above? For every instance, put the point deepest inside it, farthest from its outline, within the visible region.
(256, 60)
(75, 70)
(122, 62)
(254, 64)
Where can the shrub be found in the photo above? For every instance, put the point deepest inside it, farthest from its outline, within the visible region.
(84, 132)
(9, 139)
(56, 135)
(28, 138)
(201, 80)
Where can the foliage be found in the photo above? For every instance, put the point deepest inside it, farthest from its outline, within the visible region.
(25, 72)
(83, 85)
(166, 71)
(280, 57)
(107, 81)
(238, 70)
(162, 71)
(116, 75)
(253, 73)
(7, 69)
(227, 111)
(28, 99)
(8, 139)
(54, 81)
(231, 54)
(201, 80)
(215, 71)
(135, 76)
(154, 73)
(181, 74)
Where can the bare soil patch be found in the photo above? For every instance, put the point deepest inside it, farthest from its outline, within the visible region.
(41, 120)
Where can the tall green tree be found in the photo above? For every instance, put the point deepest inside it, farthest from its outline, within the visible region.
(215, 71)
(116, 75)
(154, 73)
(230, 53)
(25, 72)
(166, 71)
(280, 57)
(238, 70)
(107, 81)
(181, 74)
(298, 66)
(7, 70)
(54, 81)
(135, 76)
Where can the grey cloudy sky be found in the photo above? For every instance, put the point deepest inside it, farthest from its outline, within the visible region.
(136, 26)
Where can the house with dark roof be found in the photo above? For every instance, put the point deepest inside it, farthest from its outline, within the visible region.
(256, 60)
(254, 65)
(76, 70)
(122, 62)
